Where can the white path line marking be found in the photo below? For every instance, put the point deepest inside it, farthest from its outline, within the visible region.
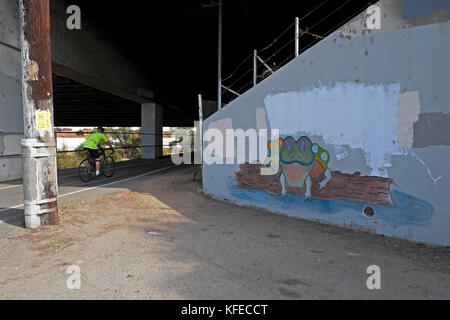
(10, 187)
(114, 182)
(95, 187)
(120, 167)
(15, 207)
(74, 175)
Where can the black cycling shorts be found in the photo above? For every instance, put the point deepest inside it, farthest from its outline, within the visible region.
(93, 153)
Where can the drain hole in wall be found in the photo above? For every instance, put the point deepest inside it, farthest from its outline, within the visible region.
(368, 212)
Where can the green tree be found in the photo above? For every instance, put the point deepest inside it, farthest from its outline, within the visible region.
(66, 160)
(127, 140)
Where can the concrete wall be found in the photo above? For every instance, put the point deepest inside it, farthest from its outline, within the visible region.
(376, 103)
(11, 123)
(400, 14)
(84, 56)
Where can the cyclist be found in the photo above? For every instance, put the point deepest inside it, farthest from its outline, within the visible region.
(92, 145)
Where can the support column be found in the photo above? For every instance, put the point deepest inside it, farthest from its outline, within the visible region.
(151, 128)
(198, 143)
(40, 187)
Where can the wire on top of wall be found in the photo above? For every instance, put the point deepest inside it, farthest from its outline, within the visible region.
(278, 54)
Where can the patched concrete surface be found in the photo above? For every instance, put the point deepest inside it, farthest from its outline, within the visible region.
(432, 129)
(163, 239)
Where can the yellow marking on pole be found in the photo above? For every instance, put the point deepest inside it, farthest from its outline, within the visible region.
(43, 120)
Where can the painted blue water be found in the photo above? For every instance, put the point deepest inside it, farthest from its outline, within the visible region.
(406, 211)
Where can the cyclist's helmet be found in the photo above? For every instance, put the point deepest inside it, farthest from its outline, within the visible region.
(101, 129)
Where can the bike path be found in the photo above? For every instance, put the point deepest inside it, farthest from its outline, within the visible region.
(127, 175)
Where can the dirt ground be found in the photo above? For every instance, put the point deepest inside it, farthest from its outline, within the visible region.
(166, 240)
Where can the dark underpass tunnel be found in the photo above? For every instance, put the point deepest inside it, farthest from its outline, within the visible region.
(175, 43)
(79, 105)
(135, 131)
(79, 108)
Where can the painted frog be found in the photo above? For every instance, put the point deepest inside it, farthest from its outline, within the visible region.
(299, 161)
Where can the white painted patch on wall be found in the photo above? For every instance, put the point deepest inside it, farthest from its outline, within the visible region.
(346, 114)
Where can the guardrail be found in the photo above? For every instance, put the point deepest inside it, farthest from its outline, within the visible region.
(135, 145)
(119, 141)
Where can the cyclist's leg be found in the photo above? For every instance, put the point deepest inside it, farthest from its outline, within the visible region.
(97, 157)
(95, 154)
(97, 166)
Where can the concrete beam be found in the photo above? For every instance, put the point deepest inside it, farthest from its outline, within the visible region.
(139, 96)
(88, 56)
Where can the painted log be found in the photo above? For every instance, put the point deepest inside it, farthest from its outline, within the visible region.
(353, 187)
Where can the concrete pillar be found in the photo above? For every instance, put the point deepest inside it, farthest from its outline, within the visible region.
(151, 127)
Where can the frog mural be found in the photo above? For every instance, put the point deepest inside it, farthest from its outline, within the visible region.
(299, 166)
(300, 160)
(321, 159)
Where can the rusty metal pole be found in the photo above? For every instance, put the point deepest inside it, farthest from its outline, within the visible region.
(40, 187)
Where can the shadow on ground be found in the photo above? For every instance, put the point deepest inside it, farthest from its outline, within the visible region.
(166, 240)
(14, 217)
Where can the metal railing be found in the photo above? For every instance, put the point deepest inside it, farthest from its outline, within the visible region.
(134, 144)
(119, 140)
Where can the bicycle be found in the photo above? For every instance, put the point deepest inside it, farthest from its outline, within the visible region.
(135, 153)
(87, 168)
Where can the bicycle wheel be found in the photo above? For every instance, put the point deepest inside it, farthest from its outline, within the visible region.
(135, 154)
(86, 170)
(108, 167)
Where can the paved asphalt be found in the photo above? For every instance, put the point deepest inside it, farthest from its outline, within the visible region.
(71, 188)
(170, 241)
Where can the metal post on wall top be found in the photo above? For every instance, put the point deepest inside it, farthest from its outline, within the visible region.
(200, 127)
(297, 36)
(255, 67)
